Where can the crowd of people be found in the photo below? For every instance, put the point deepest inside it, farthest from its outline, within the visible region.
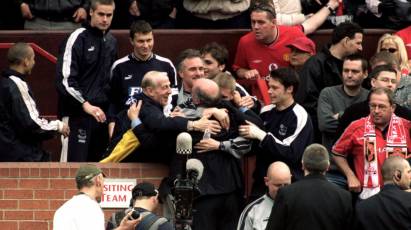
(132, 109)
(205, 14)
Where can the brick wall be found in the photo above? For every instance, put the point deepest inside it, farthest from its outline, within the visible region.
(30, 193)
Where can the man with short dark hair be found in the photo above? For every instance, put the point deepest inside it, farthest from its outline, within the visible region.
(21, 128)
(82, 211)
(370, 140)
(312, 202)
(334, 100)
(128, 72)
(265, 45)
(325, 68)
(83, 74)
(389, 209)
(288, 128)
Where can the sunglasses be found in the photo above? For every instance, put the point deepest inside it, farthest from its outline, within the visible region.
(391, 50)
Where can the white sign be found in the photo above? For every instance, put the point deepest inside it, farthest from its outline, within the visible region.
(117, 193)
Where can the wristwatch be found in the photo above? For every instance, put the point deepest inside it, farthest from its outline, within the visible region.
(221, 146)
(332, 11)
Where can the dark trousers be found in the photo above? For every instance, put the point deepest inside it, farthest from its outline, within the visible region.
(88, 139)
(217, 212)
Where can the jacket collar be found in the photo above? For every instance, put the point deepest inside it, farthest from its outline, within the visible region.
(314, 176)
(147, 99)
(9, 72)
(390, 187)
(94, 30)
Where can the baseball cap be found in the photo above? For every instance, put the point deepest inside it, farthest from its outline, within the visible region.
(144, 189)
(303, 43)
(87, 171)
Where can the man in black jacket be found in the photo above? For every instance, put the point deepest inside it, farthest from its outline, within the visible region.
(390, 208)
(313, 202)
(21, 128)
(324, 69)
(83, 70)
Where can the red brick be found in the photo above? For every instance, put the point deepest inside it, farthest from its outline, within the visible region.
(4, 172)
(45, 172)
(114, 173)
(70, 193)
(1, 215)
(54, 172)
(24, 172)
(64, 173)
(18, 194)
(49, 194)
(18, 215)
(62, 183)
(43, 215)
(33, 225)
(8, 204)
(34, 183)
(9, 225)
(126, 173)
(8, 183)
(34, 204)
(1, 194)
(155, 172)
(55, 204)
(15, 172)
(73, 172)
(35, 172)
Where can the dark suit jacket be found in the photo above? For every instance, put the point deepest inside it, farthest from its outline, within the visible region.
(389, 209)
(311, 203)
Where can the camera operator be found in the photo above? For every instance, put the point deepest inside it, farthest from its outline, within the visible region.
(82, 211)
(143, 202)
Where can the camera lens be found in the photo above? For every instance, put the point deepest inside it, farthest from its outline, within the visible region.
(134, 215)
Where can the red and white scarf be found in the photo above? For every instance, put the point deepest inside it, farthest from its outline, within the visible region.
(396, 144)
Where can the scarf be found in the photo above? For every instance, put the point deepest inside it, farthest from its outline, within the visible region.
(396, 145)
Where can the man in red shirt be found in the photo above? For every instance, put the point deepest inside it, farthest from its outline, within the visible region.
(370, 140)
(265, 46)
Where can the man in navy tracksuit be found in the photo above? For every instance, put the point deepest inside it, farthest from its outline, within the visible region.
(288, 129)
(21, 128)
(128, 72)
(83, 70)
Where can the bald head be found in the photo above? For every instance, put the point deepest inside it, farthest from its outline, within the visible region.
(396, 170)
(152, 78)
(278, 175)
(391, 166)
(278, 169)
(205, 92)
(156, 85)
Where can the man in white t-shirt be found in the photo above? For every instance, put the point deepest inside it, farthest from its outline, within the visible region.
(82, 211)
